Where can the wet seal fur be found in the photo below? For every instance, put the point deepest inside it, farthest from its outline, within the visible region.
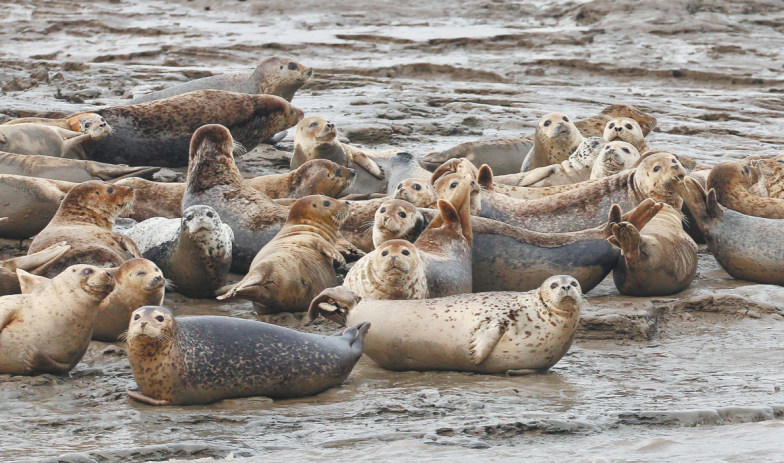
(275, 75)
(71, 170)
(158, 133)
(500, 332)
(48, 330)
(200, 360)
(299, 263)
(84, 221)
(34, 264)
(732, 180)
(556, 138)
(194, 252)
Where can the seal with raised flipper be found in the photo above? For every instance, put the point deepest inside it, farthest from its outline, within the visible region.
(87, 123)
(499, 332)
(39, 139)
(732, 180)
(34, 264)
(200, 360)
(576, 169)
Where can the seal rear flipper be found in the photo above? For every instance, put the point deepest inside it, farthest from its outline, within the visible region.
(643, 213)
(248, 287)
(40, 261)
(627, 238)
(139, 397)
(484, 339)
(485, 177)
(28, 282)
(355, 334)
(139, 172)
(38, 362)
(333, 304)
(712, 204)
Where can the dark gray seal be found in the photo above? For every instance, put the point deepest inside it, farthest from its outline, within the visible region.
(200, 360)
(403, 166)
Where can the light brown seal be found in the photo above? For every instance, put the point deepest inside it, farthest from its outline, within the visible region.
(87, 123)
(154, 199)
(48, 330)
(200, 360)
(499, 332)
(39, 139)
(628, 130)
(731, 180)
(772, 171)
(71, 170)
(615, 157)
(299, 263)
(394, 270)
(29, 204)
(314, 177)
(84, 221)
(34, 264)
(397, 219)
(556, 138)
(659, 260)
(275, 75)
(416, 191)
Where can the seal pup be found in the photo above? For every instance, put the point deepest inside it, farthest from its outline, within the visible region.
(314, 177)
(746, 247)
(659, 260)
(29, 203)
(71, 170)
(397, 219)
(732, 180)
(275, 75)
(39, 139)
(394, 270)
(200, 360)
(34, 264)
(214, 180)
(772, 171)
(48, 330)
(403, 166)
(299, 263)
(194, 252)
(628, 130)
(416, 191)
(499, 332)
(614, 158)
(556, 138)
(158, 133)
(84, 221)
(576, 169)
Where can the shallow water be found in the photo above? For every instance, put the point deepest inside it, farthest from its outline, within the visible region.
(642, 383)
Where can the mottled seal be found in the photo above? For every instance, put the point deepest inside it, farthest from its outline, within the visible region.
(394, 270)
(48, 330)
(628, 130)
(200, 360)
(401, 167)
(214, 180)
(397, 219)
(84, 221)
(416, 191)
(71, 170)
(275, 75)
(556, 138)
(194, 252)
(732, 180)
(159, 132)
(772, 171)
(34, 264)
(154, 199)
(498, 332)
(615, 157)
(747, 247)
(485, 179)
(315, 177)
(659, 260)
(39, 139)
(299, 263)
(29, 204)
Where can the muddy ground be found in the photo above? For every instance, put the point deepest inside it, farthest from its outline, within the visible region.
(696, 375)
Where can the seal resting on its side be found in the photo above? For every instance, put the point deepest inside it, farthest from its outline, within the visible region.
(39, 139)
(29, 203)
(87, 123)
(315, 177)
(200, 360)
(732, 180)
(34, 264)
(484, 333)
(71, 170)
(576, 169)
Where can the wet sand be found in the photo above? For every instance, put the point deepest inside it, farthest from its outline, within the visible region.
(695, 375)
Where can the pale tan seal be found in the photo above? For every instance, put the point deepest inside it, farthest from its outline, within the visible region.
(416, 191)
(394, 270)
(398, 219)
(34, 264)
(628, 130)
(314, 177)
(29, 204)
(615, 157)
(87, 123)
(659, 260)
(84, 221)
(70, 170)
(497, 332)
(447, 185)
(731, 180)
(39, 139)
(556, 138)
(154, 199)
(299, 263)
(48, 330)
(772, 171)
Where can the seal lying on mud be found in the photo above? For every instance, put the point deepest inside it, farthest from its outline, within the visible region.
(29, 203)
(200, 360)
(87, 123)
(194, 252)
(48, 330)
(34, 264)
(275, 75)
(748, 248)
(39, 139)
(484, 333)
(159, 132)
(732, 180)
(556, 138)
(71, 170)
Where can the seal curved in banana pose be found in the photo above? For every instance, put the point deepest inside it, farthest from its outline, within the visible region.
(732, 181)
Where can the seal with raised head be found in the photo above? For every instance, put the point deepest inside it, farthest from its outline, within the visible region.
(200, 360)
(159, 132)
(275, 75)
(194, 252)
(614, 158)
(48, 330)
(499, 332)
(659, 260)
(628, 130)
(394, 270)
(416, 191)
(556, 138)
(314, 177)
(29, 204)
(39, 139)
(214, 180)
(35, 264)
(772, 171)
(299, 263)
(576, 169)
(70, 170)
(84, 221)
(397, 219)
(732, 180)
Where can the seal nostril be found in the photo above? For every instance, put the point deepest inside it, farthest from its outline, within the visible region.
(618, 129)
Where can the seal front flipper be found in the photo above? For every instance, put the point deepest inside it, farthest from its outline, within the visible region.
(139, 397)
(250, 286)
(485, 338)
(38, 362)
(333, 304)
(7, 315)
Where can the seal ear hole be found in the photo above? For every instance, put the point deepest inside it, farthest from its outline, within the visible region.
(417, 187)
(657, 168)
(159, 318)
(402, 214)
(574, 283)
(554, 285)
(385, 253)
(137, 316)
(406, 252)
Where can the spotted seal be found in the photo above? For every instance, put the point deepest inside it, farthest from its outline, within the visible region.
(615, 157)
(732, 180)
(34, 264)
(394, 270)
(29, 203)
(39, 139)
(87, 123)
(556, 138)
(576, 169)
(71, 170)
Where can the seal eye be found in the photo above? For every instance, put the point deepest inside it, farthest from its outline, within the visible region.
(566, 119)
(547, 123)
(626, 150)
(159, 318)
(417, 187)
(87, 271)
(326, 203)
(383, 209)
(339, 173)
(385, 253)
(110, 190)
(405, 252)
(629, 126)
(554, 285)
(611, 126)
(314, 124)
(141, 274)
(210, 215)
(137, 316)
(293, 66)
(657, 168)
(453, 185)
(402, 214)
(88, 124)
(574, 283)
(399, 186)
